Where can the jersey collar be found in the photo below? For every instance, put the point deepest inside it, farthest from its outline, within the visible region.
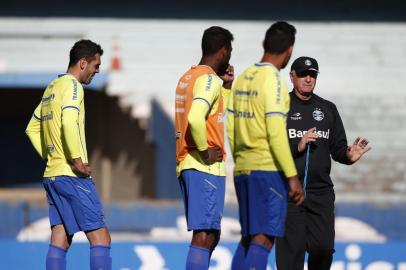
(261, 64)
(295, 97)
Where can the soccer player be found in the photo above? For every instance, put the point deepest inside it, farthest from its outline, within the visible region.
(200, 151)
(264, 168)
(57, 132)
(316, 132)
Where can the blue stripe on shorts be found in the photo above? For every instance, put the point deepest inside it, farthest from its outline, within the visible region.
(203, 195)
(262, 200)
(74, 202)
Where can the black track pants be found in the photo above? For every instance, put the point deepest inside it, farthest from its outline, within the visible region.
(309, 228)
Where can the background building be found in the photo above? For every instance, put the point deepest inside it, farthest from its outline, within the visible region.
(360, 47)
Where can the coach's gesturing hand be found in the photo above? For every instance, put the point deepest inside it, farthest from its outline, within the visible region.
(211, 155)
(357, 149)
(296, 192)
(309, 137)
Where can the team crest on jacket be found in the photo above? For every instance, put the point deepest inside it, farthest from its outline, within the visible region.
(318, 115)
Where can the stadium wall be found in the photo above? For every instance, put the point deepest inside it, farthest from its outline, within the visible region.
(141, 218)
(120, 155)
(361, 72)
(161, 133)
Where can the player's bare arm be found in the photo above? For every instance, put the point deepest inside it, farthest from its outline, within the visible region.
(296, 192)
(358, 148)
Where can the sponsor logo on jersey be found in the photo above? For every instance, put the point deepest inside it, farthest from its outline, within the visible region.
(183, 85)
(180, 98)
(318, 115)
(220, 118)
(180, 110)
(75, 90)
(209, 82)
(178, 135)
(180, 103)
(188, 77)
(47, 117)
(248, 93)
(296, 116)
(278, 90)
(250, 78)
(293, 133)
(240, 114)
(50, 148)
(48, 98)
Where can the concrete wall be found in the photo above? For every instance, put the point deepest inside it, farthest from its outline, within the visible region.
(361, 65)
(120, 155)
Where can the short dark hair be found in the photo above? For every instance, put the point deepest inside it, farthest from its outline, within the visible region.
(84, 48)
(215, 38)
(279, 37)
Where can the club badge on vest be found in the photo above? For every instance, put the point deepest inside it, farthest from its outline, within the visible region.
(318, 115)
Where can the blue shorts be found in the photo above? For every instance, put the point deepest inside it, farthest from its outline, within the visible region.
(203, 195)
(262, 200)
(74, 202)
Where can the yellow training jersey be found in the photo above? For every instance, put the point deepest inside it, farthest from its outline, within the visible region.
(199, 85)
(256, 124)
(57, 127)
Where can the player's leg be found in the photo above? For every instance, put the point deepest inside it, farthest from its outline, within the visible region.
(217, 212)
(206, 238)
(87, 210)
(320, 224)
(258, 251)
(240, 184)
(99, 237)
(238, 262)
(204, 202)
(100, 242)
(197, 256)
(290, 249)
(202, 245)
(268, 193)
(60, 239)
(95, 229)
(60, 242)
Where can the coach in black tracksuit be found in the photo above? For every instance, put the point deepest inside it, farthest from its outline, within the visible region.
(316, 132)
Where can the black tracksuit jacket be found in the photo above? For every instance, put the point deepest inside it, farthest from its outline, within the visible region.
(322, 114)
